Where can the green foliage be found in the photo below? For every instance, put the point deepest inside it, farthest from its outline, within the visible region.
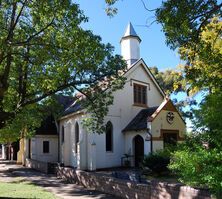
(198, 161)
(110, 9)
(44, 50)
(183, 20)
(204, 59)
(198, 165)
(171, 81)
(157, 161)
(98, 102)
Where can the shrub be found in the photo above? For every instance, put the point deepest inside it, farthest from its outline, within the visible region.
(199, 166)
(157, 162)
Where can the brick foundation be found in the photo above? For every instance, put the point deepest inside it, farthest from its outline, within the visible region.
(131, 190)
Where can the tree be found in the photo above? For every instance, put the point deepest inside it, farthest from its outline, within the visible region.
(183, 20)
(194, 27)
(44, 50)
(170, 80)
(198, 161)
(204, 59)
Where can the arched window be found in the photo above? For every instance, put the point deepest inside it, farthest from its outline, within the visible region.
(76, 136)
(109, 136)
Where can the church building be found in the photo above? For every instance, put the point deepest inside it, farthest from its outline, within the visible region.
(141, 120)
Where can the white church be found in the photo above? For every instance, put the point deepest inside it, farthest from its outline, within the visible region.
(142, 119)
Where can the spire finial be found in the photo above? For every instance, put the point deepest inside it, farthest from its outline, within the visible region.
(130, 32)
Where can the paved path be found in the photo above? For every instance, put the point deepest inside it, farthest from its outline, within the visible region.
(9, 171)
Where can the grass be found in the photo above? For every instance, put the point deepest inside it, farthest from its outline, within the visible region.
(19, 189)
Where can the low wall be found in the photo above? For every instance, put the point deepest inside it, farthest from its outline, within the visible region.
(130, 190)
(44, 167)
(38, 165)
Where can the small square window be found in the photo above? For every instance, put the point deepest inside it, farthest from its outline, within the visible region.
(169, 139)
(45, 146)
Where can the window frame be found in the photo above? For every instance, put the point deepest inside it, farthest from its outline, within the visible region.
(63, 134)
(168, 134)
(76, 136)
(44, 151)
(109, 148)
(139, 95)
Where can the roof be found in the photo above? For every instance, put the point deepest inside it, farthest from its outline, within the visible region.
(130, 32)
(65, 101)
(140, 121)
(76, 106)
(167, 104)
(48, 127)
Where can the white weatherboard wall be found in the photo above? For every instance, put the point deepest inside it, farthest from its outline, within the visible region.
(37, 148)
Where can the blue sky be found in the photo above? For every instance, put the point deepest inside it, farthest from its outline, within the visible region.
(153, 48)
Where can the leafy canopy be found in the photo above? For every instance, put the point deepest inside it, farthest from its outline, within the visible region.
(183, 20)
(44, 50)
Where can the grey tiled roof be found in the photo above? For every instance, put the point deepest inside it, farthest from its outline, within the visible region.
(139, 122)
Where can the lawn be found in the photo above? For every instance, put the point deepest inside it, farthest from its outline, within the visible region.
(23, 190)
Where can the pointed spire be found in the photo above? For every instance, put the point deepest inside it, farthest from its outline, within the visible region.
(130, 32)
(130, 46)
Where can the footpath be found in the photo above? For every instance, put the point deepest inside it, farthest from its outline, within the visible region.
(10, 170)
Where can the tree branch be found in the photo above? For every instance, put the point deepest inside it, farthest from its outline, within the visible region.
(144, 5)
(36, 34)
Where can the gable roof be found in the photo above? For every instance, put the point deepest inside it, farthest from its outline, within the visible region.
(76, 106)
(167, 104)
(139, 122)
(149, 73)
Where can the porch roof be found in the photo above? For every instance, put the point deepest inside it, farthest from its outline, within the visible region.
(139, 122)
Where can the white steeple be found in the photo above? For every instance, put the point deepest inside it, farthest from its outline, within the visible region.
(130, 46)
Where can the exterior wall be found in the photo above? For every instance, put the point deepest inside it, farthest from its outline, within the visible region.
(120, 114)
(21, 151)
(160, 123)
(129, 144)
(130, 50)
(123, 107)
(157, 145)
(37, 148)
(68, 154)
